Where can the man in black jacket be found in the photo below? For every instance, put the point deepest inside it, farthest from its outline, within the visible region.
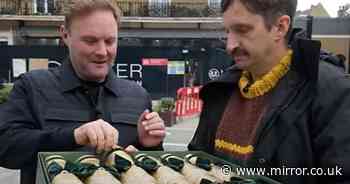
(278, 108)
(81, 105)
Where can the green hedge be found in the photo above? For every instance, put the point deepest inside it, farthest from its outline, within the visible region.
(164, 104)
(5, 90)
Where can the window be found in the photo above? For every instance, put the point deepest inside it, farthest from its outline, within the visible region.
(214, 4)
(159, 8)
(45, 6)
(214, 7)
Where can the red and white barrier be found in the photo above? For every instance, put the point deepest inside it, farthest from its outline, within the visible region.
(188, 102)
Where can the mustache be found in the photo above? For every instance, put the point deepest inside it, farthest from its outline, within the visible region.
(239, 51)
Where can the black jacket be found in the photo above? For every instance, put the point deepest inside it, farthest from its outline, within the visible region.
(45, 107)
(305, 126)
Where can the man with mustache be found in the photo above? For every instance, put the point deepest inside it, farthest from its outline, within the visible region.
(278, 106)
(80, 105)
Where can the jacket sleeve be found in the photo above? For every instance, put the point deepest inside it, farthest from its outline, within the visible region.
(21, 136)
(330, 128)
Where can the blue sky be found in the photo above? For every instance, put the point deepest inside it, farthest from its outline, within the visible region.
(331, 6)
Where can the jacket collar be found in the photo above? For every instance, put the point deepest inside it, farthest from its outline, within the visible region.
(71, 81)
(302, 75)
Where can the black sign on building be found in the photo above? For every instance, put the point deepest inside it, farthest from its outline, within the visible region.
(179, 67)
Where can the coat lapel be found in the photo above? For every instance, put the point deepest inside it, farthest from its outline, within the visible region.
(281, 115)
(290, 99)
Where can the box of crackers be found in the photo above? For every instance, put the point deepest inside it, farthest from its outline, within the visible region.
(143, 167)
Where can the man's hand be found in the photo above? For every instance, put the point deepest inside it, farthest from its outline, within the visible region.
(151, 129)
(97, 134)
(131, 149)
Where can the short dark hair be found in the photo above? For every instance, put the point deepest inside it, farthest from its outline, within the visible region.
(270, 10)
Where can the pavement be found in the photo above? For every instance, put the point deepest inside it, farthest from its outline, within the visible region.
(9, 176)
(179, 135)
(177, 138)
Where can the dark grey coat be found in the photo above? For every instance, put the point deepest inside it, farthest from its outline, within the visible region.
(45, 107)
(307, 123)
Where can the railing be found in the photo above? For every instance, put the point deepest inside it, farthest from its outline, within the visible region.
(132, 8)
(8, 7)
